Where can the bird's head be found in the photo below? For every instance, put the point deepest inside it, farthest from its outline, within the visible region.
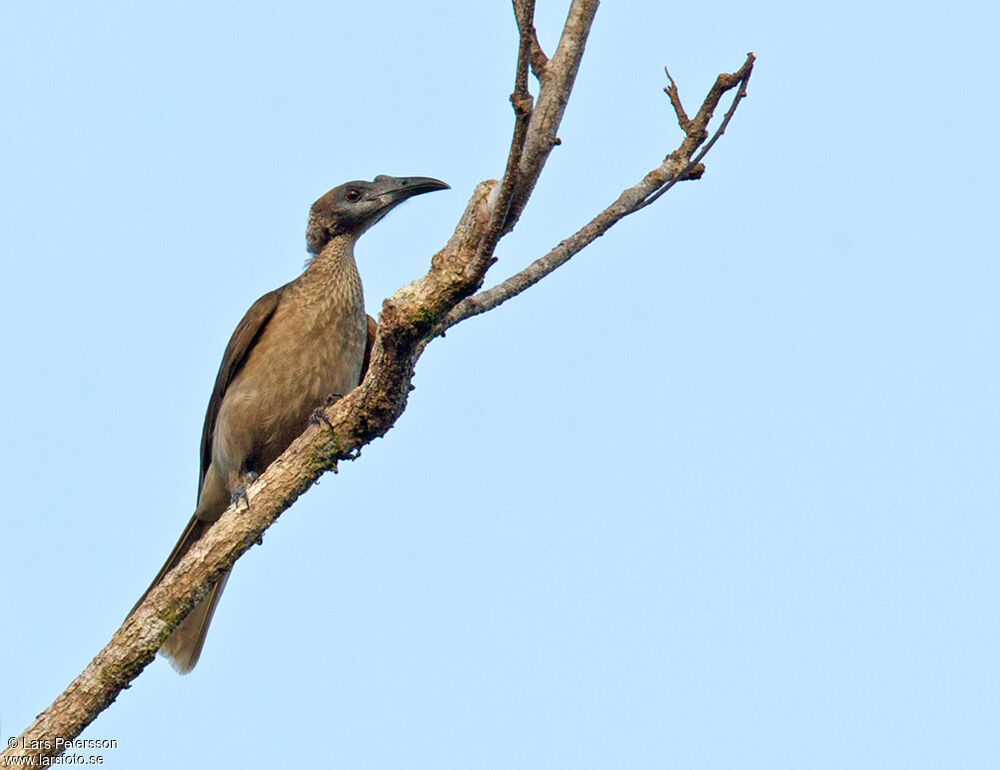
(353, 207)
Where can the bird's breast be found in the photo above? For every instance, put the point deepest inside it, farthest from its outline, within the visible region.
(310, 349)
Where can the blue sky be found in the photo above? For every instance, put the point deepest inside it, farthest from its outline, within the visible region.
(722, 492)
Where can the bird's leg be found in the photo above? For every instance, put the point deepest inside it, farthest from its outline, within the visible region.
(319, 413)
(240, 492)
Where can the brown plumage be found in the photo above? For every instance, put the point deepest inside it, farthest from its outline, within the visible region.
(295, 347)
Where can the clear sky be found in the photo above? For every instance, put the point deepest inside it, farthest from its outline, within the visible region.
(720, 493)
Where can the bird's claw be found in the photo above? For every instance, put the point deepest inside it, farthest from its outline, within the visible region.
(319, 416)
(240, 493)
(319, 413)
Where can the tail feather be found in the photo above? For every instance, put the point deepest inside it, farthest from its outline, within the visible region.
(183, 647)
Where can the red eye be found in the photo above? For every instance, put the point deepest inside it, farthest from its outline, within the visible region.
(352, 194)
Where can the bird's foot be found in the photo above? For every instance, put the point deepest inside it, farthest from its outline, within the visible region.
(240, 493)
(319, 414)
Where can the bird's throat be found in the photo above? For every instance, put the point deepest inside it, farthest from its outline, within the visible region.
(331, 284)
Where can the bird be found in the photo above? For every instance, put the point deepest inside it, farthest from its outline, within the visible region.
(297, 349)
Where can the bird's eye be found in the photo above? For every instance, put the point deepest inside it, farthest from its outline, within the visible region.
(353, 194)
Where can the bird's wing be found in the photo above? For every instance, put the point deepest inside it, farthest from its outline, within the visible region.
(247, 333)
(372, 329)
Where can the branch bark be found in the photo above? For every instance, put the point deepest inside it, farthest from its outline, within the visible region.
(413, 316)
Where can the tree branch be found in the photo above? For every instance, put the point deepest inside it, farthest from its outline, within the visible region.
(629, 201)
(675, 167)
(409, 319)
(520, 99)
(697, 129)
(557, 77)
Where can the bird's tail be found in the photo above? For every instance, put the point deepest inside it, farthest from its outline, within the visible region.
(183, 646)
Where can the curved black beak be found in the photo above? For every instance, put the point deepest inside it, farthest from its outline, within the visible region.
(399, 188)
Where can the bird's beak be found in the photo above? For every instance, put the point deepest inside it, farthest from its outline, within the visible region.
(398, 188)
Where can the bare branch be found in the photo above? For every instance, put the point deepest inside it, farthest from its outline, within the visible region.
(534, 129)
(520, 99)
(697, 129)
(626, 203)
(676, 167)
(558, 76)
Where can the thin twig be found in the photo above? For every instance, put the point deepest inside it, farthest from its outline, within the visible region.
(741, 78)
(675, 101)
